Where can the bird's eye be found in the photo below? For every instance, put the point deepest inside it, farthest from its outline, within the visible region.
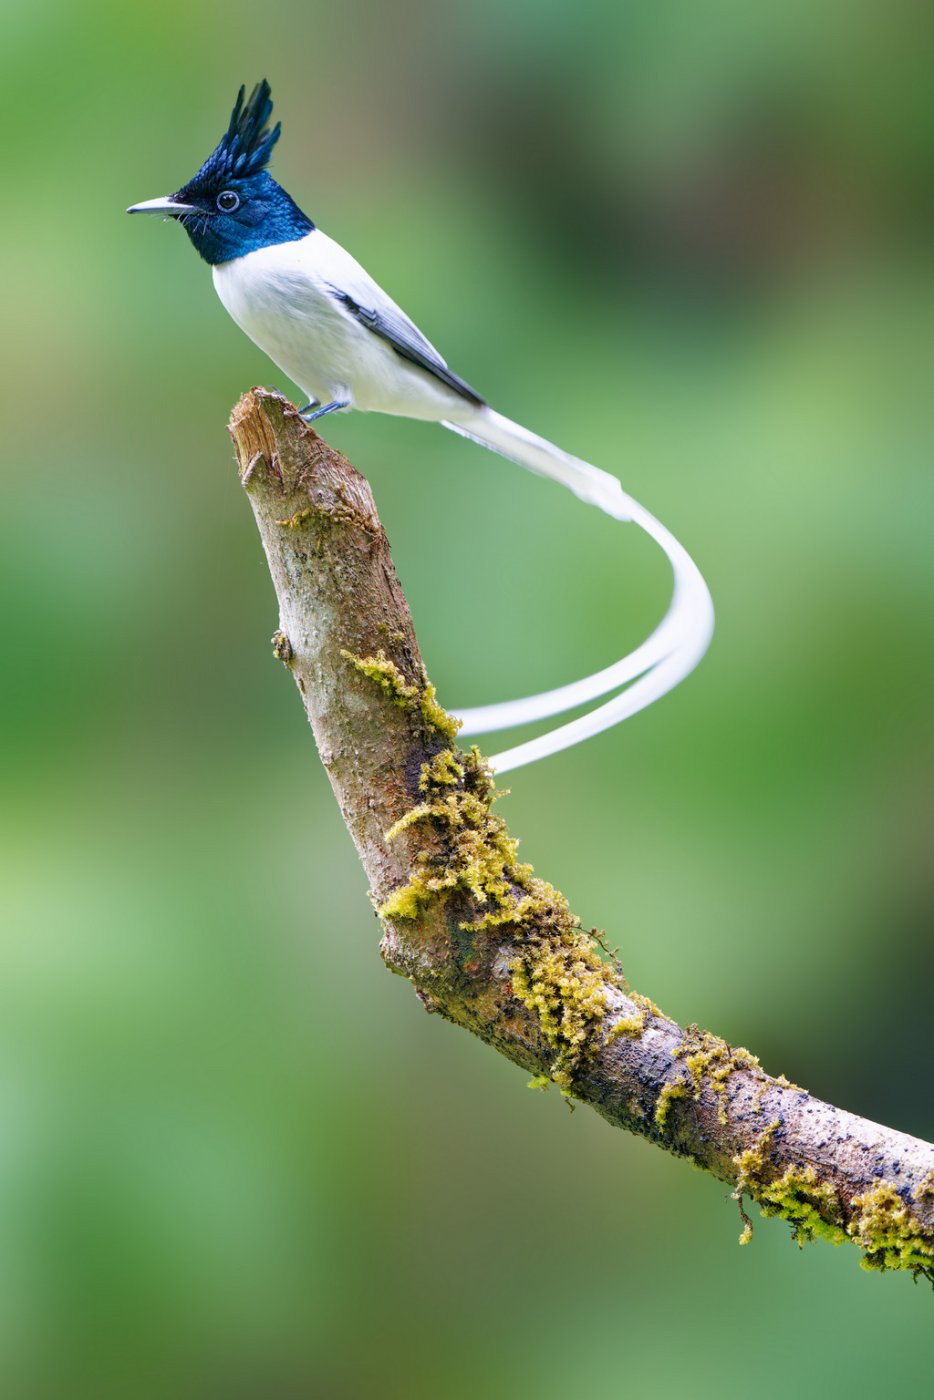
(227, 202)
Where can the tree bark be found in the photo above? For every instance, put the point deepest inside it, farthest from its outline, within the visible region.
(487, 944)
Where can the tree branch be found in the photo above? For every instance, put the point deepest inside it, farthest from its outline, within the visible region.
(486, 943)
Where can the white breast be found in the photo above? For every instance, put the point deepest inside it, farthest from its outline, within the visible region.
(282, 298)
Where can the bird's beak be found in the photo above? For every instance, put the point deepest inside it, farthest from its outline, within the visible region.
(166, 205)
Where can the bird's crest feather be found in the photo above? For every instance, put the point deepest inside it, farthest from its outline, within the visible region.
(249, 141)
(246, 145)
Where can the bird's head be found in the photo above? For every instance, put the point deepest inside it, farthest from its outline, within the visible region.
(233, 206)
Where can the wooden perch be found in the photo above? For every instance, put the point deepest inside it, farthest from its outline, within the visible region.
(486, 943)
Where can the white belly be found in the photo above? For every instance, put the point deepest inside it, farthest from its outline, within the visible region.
(279, 296)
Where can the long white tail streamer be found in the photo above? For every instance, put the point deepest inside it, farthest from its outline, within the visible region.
(660, 663)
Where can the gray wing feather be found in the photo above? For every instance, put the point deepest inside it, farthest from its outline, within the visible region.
(393, 326)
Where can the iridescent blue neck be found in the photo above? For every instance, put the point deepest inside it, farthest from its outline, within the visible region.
(266, 216)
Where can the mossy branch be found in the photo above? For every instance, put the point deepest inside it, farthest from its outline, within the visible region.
(487, 944)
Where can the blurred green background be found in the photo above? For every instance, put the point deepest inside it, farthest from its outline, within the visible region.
(690, 243)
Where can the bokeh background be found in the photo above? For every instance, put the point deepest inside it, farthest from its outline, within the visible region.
(691, 243)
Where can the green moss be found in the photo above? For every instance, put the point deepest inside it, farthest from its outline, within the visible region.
(387, 676)
(746, 1232)
(672, 1089)
(404, 903)
(444, 770)
(563, 980)
(471, 851)
(646, 1003)
(557, 972)
(296, 521)
(410, 818)
(925, 1188)
(393, 683)
(707, 1060)
(281, 647)
(880, 1222)
(889, 1233)
(628, 1025)
(435, 715)
(811, 1206)
(752, 1164)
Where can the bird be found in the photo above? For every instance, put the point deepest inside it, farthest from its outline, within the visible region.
(324, 321)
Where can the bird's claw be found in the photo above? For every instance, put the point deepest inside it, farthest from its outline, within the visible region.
(293, 412)
(334, 407)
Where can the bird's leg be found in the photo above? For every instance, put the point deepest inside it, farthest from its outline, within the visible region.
(300, 412)
(334, 407)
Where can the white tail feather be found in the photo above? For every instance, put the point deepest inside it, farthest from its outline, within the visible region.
(659, 664)
(537, 454)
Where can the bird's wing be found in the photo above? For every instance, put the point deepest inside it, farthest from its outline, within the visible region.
(384, 318)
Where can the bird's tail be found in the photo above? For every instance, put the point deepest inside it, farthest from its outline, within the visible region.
(537, 454)
(649, 672)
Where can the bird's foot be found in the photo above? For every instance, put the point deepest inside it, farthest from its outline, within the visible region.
(334, 407)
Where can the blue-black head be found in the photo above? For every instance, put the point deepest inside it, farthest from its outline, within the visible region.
(233, 205)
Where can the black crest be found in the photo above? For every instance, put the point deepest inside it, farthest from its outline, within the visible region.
(246, 146)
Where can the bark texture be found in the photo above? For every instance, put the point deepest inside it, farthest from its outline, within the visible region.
(487, 944)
